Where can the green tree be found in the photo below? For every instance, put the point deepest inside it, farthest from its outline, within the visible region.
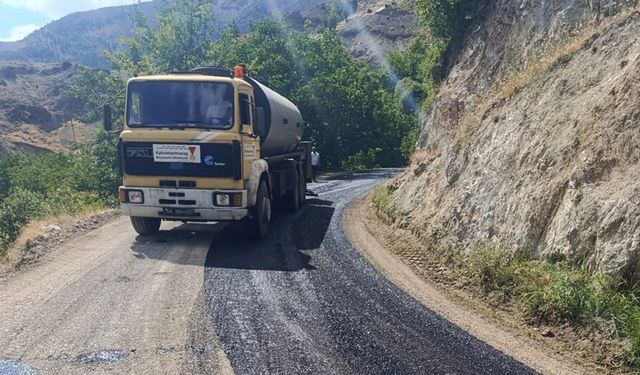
(350, 110)
(266, 50)
(333, 16)
(98, 88)
(416, 66)
(179, 40)
(445, 21)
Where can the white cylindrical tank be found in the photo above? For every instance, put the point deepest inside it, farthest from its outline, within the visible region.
(283, 121)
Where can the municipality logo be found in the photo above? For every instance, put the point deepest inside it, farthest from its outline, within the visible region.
(192, 153)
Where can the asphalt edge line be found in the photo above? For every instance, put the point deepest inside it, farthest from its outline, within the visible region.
(523, 349)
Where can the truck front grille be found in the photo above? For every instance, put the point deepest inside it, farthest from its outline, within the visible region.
(216, 160)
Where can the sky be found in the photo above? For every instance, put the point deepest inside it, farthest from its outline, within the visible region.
(18, 18)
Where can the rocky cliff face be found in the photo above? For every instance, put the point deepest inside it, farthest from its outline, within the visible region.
(534, 139)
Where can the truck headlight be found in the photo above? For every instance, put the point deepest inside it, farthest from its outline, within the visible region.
(135, 196)
(223, 200)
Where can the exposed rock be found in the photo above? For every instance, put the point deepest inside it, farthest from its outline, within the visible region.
(534, 139)
(377, 29)
(11, 72)
(52, 228)
(34, 106)
(547, 333)
(31, 114)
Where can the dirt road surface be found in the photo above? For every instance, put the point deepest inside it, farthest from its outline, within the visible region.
(203, 299)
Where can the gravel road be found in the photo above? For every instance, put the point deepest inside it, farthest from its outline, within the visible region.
(202, 299)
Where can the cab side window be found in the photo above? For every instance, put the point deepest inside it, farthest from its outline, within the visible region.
(245, 109)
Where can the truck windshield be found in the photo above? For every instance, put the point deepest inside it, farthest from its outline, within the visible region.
(180, 104)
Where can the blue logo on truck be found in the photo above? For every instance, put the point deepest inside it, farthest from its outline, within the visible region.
(208, 160)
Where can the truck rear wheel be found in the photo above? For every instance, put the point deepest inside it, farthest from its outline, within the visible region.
(303, 188)
(259, 224)
(145, 226)
(292, 198)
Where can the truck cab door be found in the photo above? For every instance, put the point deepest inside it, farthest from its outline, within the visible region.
(250, 143)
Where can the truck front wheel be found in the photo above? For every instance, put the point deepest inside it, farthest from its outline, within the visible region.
(259, 224)
(145, 226)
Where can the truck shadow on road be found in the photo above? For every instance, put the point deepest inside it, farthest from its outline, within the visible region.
(290, 237)
(282, 250)
(181, 243)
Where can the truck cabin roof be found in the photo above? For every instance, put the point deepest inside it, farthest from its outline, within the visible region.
(184, 77)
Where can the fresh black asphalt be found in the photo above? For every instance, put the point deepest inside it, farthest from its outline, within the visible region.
(303, 301)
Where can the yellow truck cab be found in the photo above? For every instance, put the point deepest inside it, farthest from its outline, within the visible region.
(210, 144)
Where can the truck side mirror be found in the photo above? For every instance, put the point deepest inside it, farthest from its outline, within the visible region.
(106, 121)
(259, 126)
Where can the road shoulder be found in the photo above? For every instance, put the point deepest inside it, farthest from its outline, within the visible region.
(42, 237)
(367, 233)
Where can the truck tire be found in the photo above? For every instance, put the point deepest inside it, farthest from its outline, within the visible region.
(145, 226)
(303, 188)
(292, 198)
(259, 224)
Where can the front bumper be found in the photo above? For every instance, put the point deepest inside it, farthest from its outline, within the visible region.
(184, 205)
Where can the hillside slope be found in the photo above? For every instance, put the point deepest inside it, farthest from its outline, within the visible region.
(35, 113)
(83, 37)
(376, 28)
(533, 141)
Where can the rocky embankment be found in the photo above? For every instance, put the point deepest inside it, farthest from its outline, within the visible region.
(533, 141)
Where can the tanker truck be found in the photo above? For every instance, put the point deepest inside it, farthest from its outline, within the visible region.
(209, 144)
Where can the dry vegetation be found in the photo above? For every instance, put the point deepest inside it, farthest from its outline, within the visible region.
(48, 229)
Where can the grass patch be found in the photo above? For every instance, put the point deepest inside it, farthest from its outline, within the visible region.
(383, 203)
(495, 270)
(555, 292)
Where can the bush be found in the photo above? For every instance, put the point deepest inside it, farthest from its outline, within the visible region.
(95, 168)
(56, 183)
(446, 19)
(418, 67)
(16, 211)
